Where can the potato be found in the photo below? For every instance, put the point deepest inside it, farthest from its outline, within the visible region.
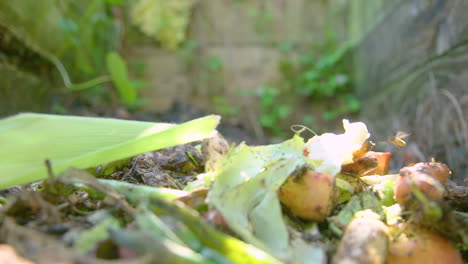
(436, 170)
(365, 241)
(427, 177)
(418, 245)
(308, 195)
(426, 184)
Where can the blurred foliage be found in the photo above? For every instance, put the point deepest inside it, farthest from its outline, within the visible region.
(221, 105)
(82, 39)
(320, 75)
(165, 21)
(70, 38)
(322, 79)
(273, 109)
(90, 31)
(119, 74)
(262, 19)
(96, 35)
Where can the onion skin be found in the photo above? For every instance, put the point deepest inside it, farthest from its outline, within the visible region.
(309, 195)
(371, 163)
(418, 245)
(383, 162)
(361, 166)
(365, 148)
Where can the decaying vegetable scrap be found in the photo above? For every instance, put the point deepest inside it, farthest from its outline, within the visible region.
(251, 180)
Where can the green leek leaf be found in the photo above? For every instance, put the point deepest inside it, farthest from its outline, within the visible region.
(28, 139)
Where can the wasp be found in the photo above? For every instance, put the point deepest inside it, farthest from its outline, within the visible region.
(397, 140)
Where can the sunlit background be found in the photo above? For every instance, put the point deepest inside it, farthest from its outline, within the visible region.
(262, 65)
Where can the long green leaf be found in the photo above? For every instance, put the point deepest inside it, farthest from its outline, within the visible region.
(233, 249)
(88, 239)
(28, 139)
(209, 242)
(137, 192)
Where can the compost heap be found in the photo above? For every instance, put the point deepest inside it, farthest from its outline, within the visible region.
(328, 199)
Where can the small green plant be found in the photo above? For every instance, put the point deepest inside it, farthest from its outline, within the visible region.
(91, 38)
(117, 68)
(221, 106)
(214, 63)
(188, 50)
(261, 18)
(90, 33)
(323, 79)
(273, 110)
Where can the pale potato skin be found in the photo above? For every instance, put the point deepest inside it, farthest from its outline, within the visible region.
(418, 245)
(365, 241)
(308, 196)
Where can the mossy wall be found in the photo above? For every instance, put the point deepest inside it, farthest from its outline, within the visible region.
(234, 47)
